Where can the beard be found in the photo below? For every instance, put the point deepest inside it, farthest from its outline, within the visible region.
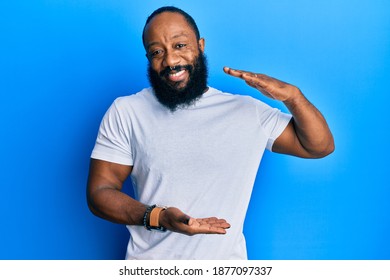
(173, 96)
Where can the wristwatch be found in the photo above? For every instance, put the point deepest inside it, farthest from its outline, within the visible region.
(151, 218)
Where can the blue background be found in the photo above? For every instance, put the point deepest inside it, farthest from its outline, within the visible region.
(62, 63)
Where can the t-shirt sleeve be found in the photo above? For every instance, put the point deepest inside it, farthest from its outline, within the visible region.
(113, 139)
(273, 122)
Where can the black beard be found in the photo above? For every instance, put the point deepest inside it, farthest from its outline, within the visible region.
(173, 97)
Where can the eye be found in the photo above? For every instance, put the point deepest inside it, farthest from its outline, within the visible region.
(155, 53)
(179, 46)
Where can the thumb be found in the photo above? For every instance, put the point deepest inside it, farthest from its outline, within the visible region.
(185, 219)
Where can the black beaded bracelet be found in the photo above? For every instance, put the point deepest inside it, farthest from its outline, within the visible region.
(147, 212)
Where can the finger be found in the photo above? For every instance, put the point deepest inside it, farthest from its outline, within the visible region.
(259, 86)
(224, 225)
(252, 79)
(205, 225)
(209, 229)
(185, 219)
(257, 80)
(215, 222)
(205, 228)
(209, 225)
(215, 230)
(263, 86)
(235, 72)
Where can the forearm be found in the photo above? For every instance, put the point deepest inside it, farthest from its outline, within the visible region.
(116, 206)
(310, 126)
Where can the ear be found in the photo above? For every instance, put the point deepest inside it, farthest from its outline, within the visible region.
(201, 44)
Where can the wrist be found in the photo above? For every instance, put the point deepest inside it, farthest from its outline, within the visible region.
(295, 97)
(151, 219)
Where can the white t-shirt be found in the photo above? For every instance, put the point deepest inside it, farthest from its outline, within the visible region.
(202, 159)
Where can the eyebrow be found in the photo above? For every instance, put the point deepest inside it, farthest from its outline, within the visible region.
(173, 37)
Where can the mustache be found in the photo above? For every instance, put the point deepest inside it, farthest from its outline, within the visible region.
(176, 68)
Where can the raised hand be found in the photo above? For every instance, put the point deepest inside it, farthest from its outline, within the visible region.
(308, 134)
(175, 220)
(269, 86)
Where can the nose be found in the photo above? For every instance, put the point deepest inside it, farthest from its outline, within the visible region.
(171, 59)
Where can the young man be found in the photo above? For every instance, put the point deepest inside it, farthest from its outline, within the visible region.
(192, 149)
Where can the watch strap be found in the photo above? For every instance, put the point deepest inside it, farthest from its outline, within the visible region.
(151, 218)
(155, 216)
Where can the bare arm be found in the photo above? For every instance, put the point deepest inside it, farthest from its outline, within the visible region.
(104, 195)
(308, 134)
(106, 200)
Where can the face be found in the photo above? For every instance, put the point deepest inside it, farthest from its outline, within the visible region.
(170, 43)
(174, 98)
(177, 67)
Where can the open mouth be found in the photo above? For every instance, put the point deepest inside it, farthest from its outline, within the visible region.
(177, 76)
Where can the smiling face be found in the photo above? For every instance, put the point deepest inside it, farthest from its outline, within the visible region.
(177, 67)
(171, 46)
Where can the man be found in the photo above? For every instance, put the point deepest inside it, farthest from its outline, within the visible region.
(192, 149)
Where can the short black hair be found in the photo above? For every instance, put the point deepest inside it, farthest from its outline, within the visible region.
(172, 9)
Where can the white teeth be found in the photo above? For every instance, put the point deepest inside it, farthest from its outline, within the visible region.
(176, 74)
